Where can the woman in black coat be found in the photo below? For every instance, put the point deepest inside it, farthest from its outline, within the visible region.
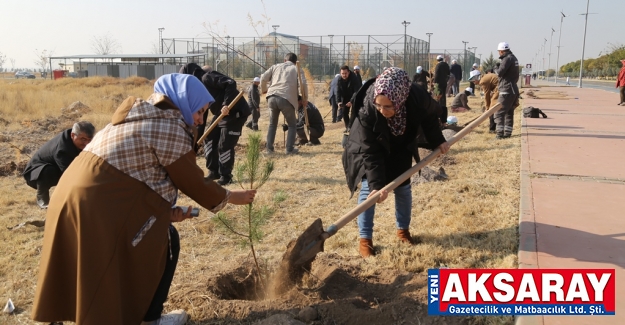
(382, 143)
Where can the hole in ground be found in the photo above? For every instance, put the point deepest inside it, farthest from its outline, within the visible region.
(240, 284)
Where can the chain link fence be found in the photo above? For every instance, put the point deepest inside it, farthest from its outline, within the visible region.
(247, 57)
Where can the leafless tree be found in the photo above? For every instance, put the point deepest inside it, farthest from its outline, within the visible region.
(12, 64)
(43, 59)
(155, 49)
(3, 58)
(105, 44)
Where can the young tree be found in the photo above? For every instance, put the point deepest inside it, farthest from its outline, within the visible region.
(105, 44)
(489, 63)
(12, 64)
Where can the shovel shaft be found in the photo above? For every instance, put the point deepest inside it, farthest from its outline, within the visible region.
(219, 118)
(360, 208)
(304, 97)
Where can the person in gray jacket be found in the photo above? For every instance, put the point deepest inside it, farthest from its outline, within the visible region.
(508, 73)
(282, 98)
(332, 98)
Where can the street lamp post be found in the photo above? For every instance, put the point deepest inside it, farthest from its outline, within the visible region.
(405, 23)
(275, 43)
(160, 38)
(429, 49)
(464, 62)
(581, 66)
(559, 38)
(550, 42)
(544, 46)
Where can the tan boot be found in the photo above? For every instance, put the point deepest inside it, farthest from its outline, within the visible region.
(404, 236)
(366, 247)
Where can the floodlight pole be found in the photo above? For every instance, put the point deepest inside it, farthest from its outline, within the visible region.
(275, 43)
(405, 23)
(429, 49)
(160, 39)
(464, 62)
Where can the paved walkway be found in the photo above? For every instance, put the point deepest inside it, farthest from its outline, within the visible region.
(573, 190)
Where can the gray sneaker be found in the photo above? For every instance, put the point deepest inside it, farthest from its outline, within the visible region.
(295, 151)
(176, 317)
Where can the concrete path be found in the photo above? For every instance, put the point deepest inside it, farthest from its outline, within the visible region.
(573, 190)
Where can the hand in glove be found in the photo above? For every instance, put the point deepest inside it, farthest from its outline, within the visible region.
(285, 127)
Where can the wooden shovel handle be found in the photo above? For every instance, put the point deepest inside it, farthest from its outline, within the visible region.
(304, 97)
(407, 174)
(219, 118)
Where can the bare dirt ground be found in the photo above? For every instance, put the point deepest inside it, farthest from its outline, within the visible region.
(468, 221)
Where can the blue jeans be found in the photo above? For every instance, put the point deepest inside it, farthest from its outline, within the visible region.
(276, 105)
(403, 207)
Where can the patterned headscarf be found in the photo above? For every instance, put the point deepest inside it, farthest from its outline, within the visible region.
(394, 83)
(186, 91)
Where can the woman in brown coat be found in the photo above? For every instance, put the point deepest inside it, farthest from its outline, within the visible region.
(109, 250)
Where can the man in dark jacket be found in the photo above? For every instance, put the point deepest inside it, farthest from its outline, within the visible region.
(421, 77)
(456, 70)
(332, 98)
(50, 162)
(219, 145)
(357, 73)
(508, 74)
(347, 87)
(441, 75)
(253, 96)
(315, 124)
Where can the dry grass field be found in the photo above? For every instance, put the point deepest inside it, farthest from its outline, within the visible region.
(467, 221)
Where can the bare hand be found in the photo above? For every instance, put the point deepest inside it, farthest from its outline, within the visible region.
(383, 195)
(225, 110)
(444, 147)
(177, 215)
(348, 104)
(241, 197)
(304, 103)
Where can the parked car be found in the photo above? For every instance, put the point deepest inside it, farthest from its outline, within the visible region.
(24, 74)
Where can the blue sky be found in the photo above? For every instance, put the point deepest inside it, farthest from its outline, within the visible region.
(67, 26)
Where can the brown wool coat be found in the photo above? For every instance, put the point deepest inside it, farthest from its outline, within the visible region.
(90, 271)
(489, 83)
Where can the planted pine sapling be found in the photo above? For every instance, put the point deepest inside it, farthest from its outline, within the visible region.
(250, 173)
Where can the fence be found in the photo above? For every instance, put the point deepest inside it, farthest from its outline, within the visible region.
(246, 57)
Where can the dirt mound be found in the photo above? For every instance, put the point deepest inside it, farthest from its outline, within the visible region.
(337, 291)
(12, 168)
(441, 161)
(429, 175)
(75, 110)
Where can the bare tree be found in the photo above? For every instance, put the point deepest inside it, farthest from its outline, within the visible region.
(43, 59)
(105, 44)
(3, 58)
(12, 64)
(154, 49)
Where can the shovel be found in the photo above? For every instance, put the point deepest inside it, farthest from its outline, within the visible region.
(304, 250)
(219, 118)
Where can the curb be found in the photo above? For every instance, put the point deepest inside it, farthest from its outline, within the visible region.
(527, 255)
